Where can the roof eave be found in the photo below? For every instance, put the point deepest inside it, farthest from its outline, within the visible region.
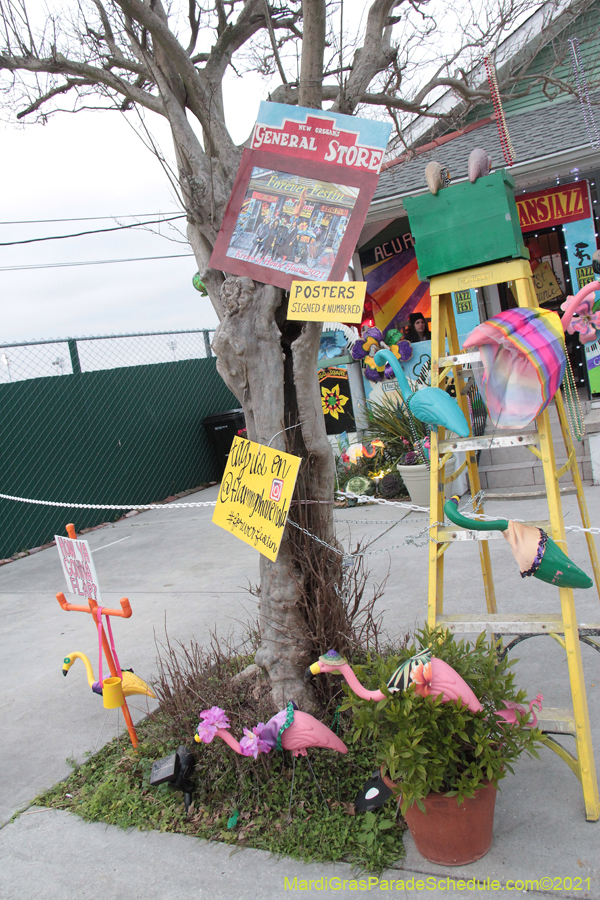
(531, 171)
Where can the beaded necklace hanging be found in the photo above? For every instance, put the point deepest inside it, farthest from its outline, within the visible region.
(584, 97)
(505, 142)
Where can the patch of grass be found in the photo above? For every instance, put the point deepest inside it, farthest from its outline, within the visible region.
(113, 787)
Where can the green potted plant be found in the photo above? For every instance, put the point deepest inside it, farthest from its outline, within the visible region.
(443, 761)
(406, 442)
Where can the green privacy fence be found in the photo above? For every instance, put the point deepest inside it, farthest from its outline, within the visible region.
(115, 420)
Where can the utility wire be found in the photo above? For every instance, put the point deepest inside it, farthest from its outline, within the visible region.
(60, 237)
(92, 262)
(83, 219)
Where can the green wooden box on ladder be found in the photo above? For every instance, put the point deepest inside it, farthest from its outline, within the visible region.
(466, 225)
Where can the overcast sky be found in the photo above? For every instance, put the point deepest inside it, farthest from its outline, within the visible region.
(93, 164)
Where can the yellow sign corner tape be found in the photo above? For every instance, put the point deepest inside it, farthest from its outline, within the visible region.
(327, 301)
(255, 494)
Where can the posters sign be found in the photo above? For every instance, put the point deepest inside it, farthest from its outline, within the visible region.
(78, 567)
(255, 494)
(301, 195)
(327, 301)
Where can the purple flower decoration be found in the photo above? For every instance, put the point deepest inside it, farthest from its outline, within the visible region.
(251, 744)
(405, 350)
(213, 719)
(584, 321)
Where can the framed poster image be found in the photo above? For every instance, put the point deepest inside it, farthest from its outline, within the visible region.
(292, 219)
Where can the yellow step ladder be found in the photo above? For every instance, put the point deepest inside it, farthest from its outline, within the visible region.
(562, 626)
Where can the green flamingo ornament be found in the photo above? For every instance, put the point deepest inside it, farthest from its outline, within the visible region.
(430, 405)
(535, 552)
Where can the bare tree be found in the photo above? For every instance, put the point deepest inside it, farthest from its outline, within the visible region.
(171, 60)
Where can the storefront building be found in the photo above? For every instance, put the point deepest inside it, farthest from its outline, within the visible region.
(556, 175)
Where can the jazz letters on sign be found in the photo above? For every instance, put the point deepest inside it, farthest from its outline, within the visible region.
(327, 301)
(78, 566)
(301, 195)
(255, 494)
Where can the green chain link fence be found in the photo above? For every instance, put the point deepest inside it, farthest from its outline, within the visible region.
(114, 420)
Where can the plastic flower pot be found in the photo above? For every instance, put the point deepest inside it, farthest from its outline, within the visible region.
(450, 834)
(416, 481)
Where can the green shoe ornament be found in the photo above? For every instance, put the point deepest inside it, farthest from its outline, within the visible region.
(536, 553)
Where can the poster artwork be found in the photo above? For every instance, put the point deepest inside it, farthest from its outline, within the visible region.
(78, 567)
(255, 494)
(301, 195)
(336, 400)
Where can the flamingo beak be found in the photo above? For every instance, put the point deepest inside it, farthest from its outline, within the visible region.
(315, 669)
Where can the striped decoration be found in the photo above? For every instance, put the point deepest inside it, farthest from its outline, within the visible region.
(523, 353)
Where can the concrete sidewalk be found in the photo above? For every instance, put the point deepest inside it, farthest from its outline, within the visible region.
(176, 567)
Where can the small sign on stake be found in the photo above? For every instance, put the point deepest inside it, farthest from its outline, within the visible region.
(78, 566)
(327, 301)
(255, 494)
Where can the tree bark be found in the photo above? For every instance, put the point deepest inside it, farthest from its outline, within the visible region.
(270, 365)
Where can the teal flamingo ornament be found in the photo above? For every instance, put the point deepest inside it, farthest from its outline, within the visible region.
(430, 405)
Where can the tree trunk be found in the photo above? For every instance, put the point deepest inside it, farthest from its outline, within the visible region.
(270, 365)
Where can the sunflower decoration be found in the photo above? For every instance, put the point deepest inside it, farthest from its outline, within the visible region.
(333, 402)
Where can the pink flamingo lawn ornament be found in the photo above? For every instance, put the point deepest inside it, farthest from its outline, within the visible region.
(579, 313)
(290, 729)
(428, 674)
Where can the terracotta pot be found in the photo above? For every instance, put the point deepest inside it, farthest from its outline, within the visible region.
(449, 834)
(453, 835)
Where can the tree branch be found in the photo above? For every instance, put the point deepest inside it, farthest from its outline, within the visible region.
(314, 16)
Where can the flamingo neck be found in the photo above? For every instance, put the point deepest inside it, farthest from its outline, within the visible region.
(229, 740)
(87, 664)
(388, 356)
(356, 686)
(576, 300)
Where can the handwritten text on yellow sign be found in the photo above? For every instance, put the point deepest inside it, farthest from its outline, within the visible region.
(255, 494)
(327, 301)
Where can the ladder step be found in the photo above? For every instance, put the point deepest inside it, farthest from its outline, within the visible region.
(460, 359)
(551, 623)
(557, 721)
(489, 443)
(456, 533)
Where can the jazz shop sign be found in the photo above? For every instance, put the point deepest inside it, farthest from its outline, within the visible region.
(556, 206)
(255, 495)
(327, 301)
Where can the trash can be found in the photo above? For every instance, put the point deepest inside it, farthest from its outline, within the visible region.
(221, 428)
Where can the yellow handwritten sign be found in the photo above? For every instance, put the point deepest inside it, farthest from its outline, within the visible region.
(327, 301)
(255, 494)
(546, 286)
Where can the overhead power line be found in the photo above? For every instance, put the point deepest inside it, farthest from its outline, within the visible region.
(92, 262)
(60, 237)
(84, 219)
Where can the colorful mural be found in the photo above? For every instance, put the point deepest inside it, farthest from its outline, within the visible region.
(389, 265)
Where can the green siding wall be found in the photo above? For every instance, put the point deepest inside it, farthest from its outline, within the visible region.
(587, 29)
(127, 435)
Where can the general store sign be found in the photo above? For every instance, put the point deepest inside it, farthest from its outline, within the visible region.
(255, 495)
(301, 195)
(556, 206)
(327, 301)
(78, 568)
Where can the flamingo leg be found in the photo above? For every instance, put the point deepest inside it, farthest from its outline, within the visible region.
(317, 783)
(292, 787)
